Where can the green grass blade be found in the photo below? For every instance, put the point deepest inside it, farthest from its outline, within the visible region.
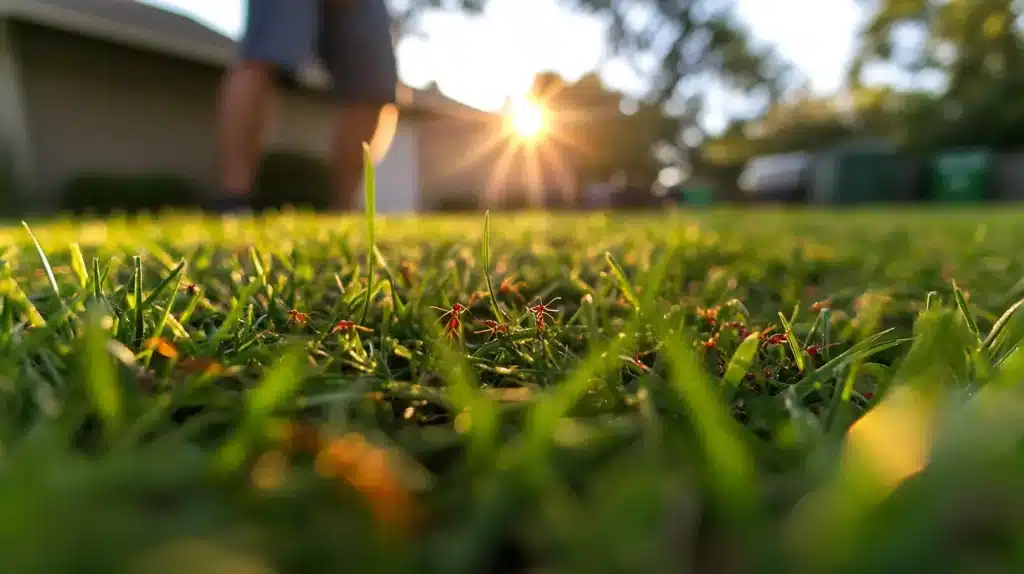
(100, 377)
(236, 311)
(654, 278)
(841, 397)
(279, 383)
(78, 265)
(370, 200)
(176, 326)
(794, 344)
(485, 256)
(46, 263)
(158, 331)
(862, 350)
(164, 284)
(139, 317)
(826, 333)
(740, 363)
(257, 263)
(623, 281)
(961, 304)
(1011, 371)
(1000, 324)
(548, 411)
(16, 296)
(476, 414)
(261, 272)
(400, 305)
(97, 281)
(725, 453)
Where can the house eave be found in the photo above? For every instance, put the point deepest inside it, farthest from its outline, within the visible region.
(312, 78)
(115, 32)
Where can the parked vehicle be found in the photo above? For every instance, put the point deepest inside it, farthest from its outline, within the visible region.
(779, 177)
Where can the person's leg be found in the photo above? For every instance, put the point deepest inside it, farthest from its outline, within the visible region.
(279, 37)
(243, 100)
(356, 46)
(354, 124)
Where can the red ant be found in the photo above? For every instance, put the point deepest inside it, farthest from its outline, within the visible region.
(710, 316)
(344, 325)
(493, 327)
(820, 305)
(297, 317)
(541, 312)
(815, 350)
(478, 296)
(508, 286)
(637, 361)
(768, 339)
(741, 329)
(454, 323)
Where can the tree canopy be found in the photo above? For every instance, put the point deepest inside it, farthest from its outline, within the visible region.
(679, 47)
(969, 52)
(587, 111)
(926, 74)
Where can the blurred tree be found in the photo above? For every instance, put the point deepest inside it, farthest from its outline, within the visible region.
(967, 53)
(800, 123)
(682, 49)
(405, 13)
(602, 132)
(689, 51)
(683, 46)
(678, 46)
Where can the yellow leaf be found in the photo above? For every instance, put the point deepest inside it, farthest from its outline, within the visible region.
(894, 439)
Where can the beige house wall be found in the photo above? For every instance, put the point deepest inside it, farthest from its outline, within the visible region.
(98, 106)
(15, 147)
(83, 92)
(94, 106)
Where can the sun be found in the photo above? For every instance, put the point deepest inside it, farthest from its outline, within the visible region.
(527, 119)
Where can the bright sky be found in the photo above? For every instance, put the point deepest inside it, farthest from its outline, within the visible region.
(481, 60)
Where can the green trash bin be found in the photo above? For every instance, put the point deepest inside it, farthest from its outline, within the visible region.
(962, 176)
(699, 195)
(691, 194)
(858, 175)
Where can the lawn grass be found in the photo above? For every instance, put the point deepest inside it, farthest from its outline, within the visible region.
(714, 391)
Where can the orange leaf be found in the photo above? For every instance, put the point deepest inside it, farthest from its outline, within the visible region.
(201, 365)
(163, 347)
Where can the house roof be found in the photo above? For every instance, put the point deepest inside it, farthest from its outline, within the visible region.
(148, 27)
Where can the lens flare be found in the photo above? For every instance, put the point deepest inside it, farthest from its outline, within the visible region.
(527, 119)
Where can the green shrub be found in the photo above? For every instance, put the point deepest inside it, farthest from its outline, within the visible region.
(457, 203)
(292, 179)
(105, 193)
(9, 199)
(515, 200)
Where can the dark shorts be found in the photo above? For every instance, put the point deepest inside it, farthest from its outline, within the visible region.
(351, 37)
